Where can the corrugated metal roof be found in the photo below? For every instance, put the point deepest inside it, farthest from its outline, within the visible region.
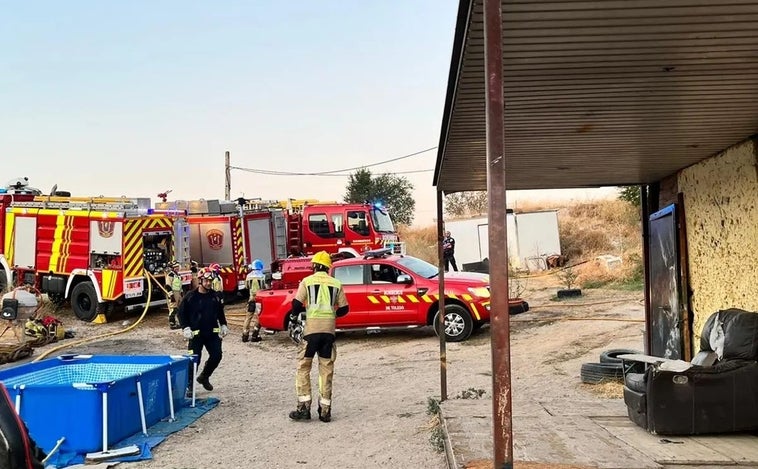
(602, 93)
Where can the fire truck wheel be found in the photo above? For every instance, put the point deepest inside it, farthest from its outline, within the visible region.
(458, 323)
(84, 301)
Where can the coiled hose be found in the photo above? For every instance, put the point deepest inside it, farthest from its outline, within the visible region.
(109, 334)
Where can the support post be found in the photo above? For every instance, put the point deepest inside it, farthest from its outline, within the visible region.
(498, 245)
(440, 326)
(228, 182)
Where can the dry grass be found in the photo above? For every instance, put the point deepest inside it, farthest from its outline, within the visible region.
(420, 242)
(606, 390)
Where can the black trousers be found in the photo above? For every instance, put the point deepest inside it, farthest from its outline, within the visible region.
(450, 261)
(212, 343)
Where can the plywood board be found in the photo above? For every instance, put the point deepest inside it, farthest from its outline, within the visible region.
(663, 449)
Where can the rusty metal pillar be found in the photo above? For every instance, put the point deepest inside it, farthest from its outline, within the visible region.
(502, 418)
(441, 317)
(645, 211)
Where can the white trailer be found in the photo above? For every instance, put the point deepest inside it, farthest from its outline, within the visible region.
(532, 237)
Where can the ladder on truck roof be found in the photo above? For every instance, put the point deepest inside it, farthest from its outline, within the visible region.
(87, 203)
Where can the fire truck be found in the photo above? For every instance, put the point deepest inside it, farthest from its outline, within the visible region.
(234, 233)
(95, 252)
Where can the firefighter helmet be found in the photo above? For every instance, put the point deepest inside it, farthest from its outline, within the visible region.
(322, 258)
(204, 274)
(257, 264)
(173, 265)
(214, 267)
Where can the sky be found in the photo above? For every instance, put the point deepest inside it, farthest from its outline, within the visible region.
(140, 97)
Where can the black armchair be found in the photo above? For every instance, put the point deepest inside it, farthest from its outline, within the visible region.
(716, 393)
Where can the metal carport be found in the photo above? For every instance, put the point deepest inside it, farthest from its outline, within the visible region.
(565, 94)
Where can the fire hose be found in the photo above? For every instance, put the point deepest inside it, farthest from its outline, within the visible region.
(109, 334)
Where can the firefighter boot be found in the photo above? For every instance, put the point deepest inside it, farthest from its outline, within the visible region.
(202, 379)
(303, 411)
(245, 336)
(325, 413)
(172, 324)
(256, 337)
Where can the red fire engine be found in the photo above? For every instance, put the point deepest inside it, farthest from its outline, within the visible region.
(95, 252)
(233, 234)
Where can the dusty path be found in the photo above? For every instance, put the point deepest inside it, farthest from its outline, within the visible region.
(382, 385)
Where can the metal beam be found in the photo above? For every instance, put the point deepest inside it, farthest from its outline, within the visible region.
(499, 315)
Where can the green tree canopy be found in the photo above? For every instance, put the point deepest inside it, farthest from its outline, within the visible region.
(630, 194)
(394, 192)
(461, 204)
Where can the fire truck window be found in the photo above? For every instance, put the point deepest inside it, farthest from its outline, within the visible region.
(338, 225)
(349, 275)
(356, 221)
(319, 225)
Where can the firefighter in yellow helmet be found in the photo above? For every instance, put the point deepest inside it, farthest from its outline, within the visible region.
(174, 281)
(322, 299)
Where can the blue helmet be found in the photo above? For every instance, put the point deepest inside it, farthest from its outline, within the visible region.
(257, 264)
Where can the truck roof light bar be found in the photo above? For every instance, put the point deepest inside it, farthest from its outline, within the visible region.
(377, 253)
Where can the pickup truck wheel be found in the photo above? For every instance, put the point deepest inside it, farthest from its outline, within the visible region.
(84, 301)
(458, 323)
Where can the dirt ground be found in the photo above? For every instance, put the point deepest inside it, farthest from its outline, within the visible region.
(383, 382)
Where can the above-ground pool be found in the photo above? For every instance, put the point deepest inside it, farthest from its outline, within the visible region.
(63, 396)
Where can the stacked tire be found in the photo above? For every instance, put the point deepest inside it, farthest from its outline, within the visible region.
(609, 368)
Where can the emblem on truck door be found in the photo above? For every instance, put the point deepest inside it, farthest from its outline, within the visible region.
(105, 228)
(215, 239)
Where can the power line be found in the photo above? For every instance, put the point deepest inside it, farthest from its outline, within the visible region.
(283, 173)
(338, 172)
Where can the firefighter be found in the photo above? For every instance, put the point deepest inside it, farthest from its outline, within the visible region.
(323, 300)
(203, 323)
(218, 282)
(174, 281)
(255, 281)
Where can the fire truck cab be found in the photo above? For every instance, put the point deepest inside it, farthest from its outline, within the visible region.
(94, 252)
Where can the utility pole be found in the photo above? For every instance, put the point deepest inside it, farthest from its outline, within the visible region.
(228, 185)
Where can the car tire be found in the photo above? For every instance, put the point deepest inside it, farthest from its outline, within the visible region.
(611, 355)
(84, 301)
(596, 373)
(458, 323)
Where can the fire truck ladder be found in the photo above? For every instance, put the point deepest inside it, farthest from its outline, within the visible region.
(83, 203)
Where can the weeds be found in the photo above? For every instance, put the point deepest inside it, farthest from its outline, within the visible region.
(437, 436)
(437, 439)
(432, 406)
(471, 393)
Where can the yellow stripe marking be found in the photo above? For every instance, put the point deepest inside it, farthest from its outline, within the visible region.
(385, 298)
(476, 312)
(373, 299)
(60, 222)
(413, 298)
(427, 298)
(400, 299)
(466, 297)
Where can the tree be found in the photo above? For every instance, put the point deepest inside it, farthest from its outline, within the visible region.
(460, 204)
(630, 194)
(394, 192)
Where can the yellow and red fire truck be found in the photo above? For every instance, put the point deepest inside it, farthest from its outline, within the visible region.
(94, 252)
(234, 233)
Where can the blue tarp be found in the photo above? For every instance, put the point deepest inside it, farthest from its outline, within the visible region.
(156, 434)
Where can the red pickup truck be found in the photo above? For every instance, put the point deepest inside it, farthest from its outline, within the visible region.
(385, 290)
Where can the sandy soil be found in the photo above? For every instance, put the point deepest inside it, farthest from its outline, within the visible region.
(382, 385)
